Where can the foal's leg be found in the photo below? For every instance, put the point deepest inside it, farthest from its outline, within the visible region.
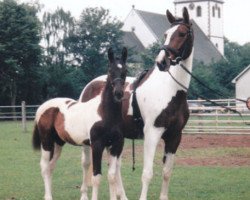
(97, 150)
(151, 140)
(172, 141)
(120, 192)
(85, 166)
(47, 166)
(112, 176)
(114, 162)
(56, 155)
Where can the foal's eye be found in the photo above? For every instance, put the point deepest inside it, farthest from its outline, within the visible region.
(165, 35)
(181, 34)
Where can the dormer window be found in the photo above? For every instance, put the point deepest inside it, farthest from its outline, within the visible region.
(198, 11)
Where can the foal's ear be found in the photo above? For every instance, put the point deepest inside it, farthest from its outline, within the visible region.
(124, 54)
(111, 55)
(185, 15)
(170, 17)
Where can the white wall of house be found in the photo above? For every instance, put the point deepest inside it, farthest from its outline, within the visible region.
(243, 86)
(135, 23)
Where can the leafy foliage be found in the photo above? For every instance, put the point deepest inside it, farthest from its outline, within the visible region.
(75, 52)
(20, 52)
(219, 75)
(94, 33)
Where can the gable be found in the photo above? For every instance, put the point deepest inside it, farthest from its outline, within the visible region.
(157, 24)
(245, 72)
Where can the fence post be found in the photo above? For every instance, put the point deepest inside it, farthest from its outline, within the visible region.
(24, 124)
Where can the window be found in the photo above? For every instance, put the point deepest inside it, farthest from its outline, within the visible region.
(213, 11)
(218, 12)
(198, 11)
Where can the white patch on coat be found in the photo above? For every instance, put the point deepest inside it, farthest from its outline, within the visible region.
(80, 118)
(119, 66)
(162, 53)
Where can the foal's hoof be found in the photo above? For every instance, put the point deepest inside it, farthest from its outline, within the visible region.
(123, 198)
(48, 198)
(84, 197)
(163, 197)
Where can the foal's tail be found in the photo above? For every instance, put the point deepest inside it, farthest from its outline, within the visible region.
(36, 141)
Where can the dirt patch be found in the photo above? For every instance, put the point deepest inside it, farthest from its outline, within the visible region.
(215, 161)
(204, 150)
(212, 141)
(237, 158)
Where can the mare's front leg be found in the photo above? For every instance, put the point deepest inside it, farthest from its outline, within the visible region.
(172, 140)
(85, 166)
(152, 136)
(114, 175)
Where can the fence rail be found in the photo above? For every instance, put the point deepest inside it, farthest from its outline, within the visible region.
(204, 117)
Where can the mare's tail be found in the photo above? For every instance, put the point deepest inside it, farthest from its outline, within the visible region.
(36, 141)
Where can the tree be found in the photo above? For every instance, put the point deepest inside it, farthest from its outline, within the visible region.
(57, 76)
(219, 75)
(94, 33)
(148, 56)
(20, 52)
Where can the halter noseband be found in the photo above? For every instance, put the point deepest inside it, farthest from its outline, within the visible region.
(179, 56)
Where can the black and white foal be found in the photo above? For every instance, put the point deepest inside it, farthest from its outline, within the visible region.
(96, 122)
(162, 100)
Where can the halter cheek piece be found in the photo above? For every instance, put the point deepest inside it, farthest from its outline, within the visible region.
(179, 56)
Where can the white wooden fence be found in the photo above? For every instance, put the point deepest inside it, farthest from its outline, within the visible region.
(204, 117)
(207, 118)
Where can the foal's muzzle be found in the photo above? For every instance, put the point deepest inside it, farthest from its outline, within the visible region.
(118, 96)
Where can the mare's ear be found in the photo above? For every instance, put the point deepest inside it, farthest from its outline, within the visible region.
(185, 15)
(124, 54)
(111, 55)
(170, 17)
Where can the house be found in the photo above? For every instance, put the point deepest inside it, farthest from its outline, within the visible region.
(148, 27)
(242, 86)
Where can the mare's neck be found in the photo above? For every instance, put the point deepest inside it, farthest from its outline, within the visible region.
(180, 74)
(112, 110)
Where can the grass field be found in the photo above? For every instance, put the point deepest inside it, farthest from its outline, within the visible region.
(20, 177)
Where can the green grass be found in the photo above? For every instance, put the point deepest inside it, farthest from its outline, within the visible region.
(20, 177)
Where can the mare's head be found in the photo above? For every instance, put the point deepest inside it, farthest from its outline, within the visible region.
(117, 73)
(178, 43)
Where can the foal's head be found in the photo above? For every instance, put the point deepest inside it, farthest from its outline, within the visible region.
(117, 73)
(178, 43)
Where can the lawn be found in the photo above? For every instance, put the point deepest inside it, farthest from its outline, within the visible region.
(20, 177)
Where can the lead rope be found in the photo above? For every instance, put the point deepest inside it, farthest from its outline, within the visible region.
(133, 154)
(214, 103)
(204, 85)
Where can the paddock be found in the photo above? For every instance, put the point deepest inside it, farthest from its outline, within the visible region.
(208, 166)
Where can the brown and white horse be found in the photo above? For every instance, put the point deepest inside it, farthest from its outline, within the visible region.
(161, 98)
(96, 123)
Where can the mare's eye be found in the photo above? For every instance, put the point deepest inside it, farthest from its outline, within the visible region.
(181, 34)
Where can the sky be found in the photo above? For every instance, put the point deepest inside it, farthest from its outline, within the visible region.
(236, 12)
